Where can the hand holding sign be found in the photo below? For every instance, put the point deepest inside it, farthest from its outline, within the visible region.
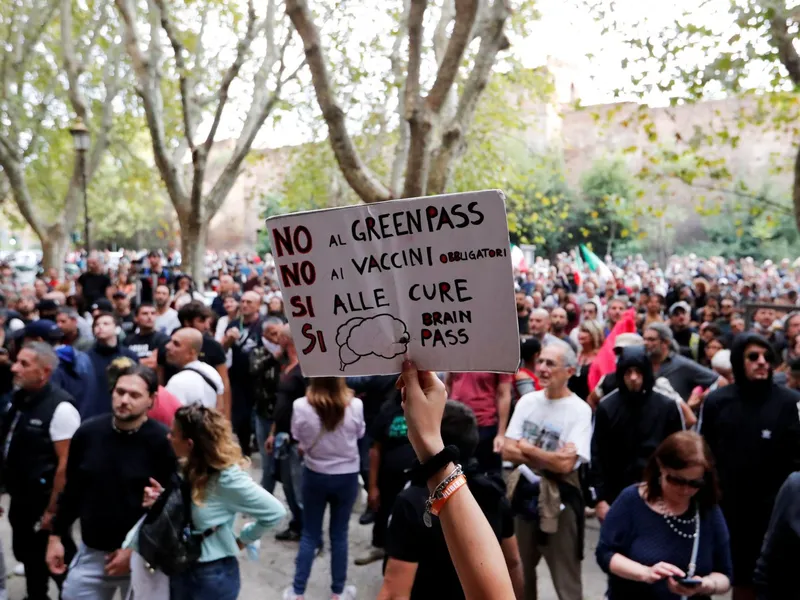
(428, 278)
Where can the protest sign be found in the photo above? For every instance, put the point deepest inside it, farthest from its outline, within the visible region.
(428, 278)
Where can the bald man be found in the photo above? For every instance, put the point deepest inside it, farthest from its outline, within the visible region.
(242, 337)
(195, 382)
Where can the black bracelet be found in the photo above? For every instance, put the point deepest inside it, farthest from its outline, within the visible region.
(422, 472)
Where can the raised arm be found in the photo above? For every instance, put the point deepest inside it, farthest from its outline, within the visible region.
(472, 544)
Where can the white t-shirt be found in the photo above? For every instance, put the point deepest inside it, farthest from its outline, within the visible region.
(65, 422)
(191, 388)
(168, 322)
(551, 424)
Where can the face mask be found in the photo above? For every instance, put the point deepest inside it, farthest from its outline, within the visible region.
(273, 348)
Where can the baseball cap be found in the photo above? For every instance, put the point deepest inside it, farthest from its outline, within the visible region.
(626, 340)
(102, 304)
(680, 306)
(43, 328)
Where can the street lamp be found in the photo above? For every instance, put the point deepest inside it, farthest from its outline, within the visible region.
(82, 141)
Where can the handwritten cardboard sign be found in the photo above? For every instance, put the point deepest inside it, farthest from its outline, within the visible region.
(428, 278)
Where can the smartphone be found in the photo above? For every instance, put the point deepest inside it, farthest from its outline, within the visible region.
(687, 582)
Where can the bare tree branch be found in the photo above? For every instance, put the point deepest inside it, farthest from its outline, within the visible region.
(361, 179)
(418, 125)
(183, 75)
(459, 39)
(19, 188)
(493, 41)
(76, 97)
(242, 48)
(783, 42)
(401, 149)
(35, 31)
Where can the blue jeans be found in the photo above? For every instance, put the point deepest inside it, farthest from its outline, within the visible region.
(267, 459)
(290, 464)
(319, 490)
(215, 580)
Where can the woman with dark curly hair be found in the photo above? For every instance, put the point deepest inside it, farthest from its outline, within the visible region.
(666, 537)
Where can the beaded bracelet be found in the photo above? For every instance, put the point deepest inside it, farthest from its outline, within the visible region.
(439, 493)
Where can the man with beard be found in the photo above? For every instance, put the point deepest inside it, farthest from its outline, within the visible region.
(630, 423)
(558, 327)
(36, 435)
(123, 313)
(145, 341)
(688, 339)
(67, 320)
(166, 318)
(154, 276)
(522, 312)
(753, 429)
(539, 327)
(242, 337)
(112, 459)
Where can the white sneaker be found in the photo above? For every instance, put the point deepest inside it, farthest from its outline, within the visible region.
(288, 594)
(349, 593)
(19, 570)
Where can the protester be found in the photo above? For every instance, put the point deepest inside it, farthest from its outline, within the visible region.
(550, 434)
(419, 564)
(166, 317)
(630, 423)
(93, 284)
(590, 339)
(753, 429)
(36, 434)
(195, 381)
(67, 320)
(668, 528)
(525, 379)
(221, 489)
(390, 458)
(145, 340)
(105, 349)
(327, 423)
(775, 576)
(242, 337)
(111, 460)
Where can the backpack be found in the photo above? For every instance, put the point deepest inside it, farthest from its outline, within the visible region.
(167, 541)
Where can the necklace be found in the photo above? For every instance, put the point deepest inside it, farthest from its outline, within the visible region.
(673, 521)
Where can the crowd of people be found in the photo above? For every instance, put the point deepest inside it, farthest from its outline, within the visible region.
(660, 401)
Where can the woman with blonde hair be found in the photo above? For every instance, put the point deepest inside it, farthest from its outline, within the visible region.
(590, 339)
(327, 424)
(221, 488)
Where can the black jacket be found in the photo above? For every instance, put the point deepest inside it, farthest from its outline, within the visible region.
(30, 463)
(753, 430)
(775, 577)
(628, 428)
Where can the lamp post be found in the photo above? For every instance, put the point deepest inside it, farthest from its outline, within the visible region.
(82, 140)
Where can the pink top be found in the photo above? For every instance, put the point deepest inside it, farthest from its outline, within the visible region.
(479, 392)
(333, 452)
(164, 407)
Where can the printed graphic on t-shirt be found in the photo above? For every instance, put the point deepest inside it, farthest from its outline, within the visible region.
(545, 436)
(398, 427)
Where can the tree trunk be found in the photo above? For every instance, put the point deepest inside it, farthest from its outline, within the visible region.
(54, 248)
(796, 189)
(194, 236)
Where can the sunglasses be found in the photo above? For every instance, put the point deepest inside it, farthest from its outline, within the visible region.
(683, 482)
(754, 356)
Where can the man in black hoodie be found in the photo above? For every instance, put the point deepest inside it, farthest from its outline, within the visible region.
(753, 429)
(630, 423)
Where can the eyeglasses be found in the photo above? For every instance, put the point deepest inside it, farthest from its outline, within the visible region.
(755, 355)
(683, 482)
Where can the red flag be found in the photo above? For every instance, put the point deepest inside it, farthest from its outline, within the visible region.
(606, 361)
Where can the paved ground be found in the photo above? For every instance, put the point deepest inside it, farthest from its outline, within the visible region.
(267, 578)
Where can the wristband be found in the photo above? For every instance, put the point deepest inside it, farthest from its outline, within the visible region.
(451, 489)
(423, 472)
(439, 493)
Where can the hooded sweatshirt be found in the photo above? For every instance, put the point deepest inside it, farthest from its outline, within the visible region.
(628, 428)
(101, 356)
(753, 430)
